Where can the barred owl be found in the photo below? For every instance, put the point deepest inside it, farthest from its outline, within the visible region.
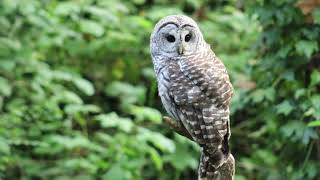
(195, 90)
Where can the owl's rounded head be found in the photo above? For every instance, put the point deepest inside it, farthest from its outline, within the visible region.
(175, 35)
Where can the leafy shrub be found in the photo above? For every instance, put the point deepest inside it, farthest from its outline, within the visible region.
(275, 115)
(76, 100)
(78, 97)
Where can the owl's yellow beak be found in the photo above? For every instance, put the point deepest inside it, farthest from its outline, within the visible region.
(181, 48)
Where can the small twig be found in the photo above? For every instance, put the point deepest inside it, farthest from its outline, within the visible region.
(308, 155)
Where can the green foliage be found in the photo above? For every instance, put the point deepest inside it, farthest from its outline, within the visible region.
(282, 113)
(62, 72)
(78, 95)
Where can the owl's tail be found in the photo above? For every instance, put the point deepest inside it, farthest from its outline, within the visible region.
(216, 162)
(208, 171)
(222, 169)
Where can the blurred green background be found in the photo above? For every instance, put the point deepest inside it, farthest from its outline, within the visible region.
(78, 95)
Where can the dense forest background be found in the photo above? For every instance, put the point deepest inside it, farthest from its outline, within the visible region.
(78, 95)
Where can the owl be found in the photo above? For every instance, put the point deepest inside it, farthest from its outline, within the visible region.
(195, 90)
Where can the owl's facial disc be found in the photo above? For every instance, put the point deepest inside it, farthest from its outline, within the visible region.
(177, 41)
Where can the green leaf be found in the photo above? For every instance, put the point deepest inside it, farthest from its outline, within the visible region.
(257, 96)
(103, 14)
(306, 48)
(299, 93)
(194, 3)
(7, 44)
(76, 108)
(315, 100)
(7, 65)
(315, 78)
(181, 158)
(128, 93)
(294, 130)
(67, 8)
(85, 86)
(288, 75)
(160, 12)
(314, 123)
(270, 93)
(116, 172)
(113, 120)
(248, 163)
(80, 163)
(158, 140)
(284, 108)
(156, 158)
(61, 75)
(240, 177)
(316, 15)
(68, 142)
(266, 156)
(91, 27)
(138, 2)
(284, 51)
(67, 97)
(162, 142)
(149, 73)
(312, 170)
(308, 135)
(4, 147)
(146, 114)
(5, 89)
(309, 112)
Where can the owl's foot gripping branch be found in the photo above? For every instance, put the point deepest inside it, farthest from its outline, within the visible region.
(177, 127)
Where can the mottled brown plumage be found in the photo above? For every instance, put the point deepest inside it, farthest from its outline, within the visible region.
(194, 88)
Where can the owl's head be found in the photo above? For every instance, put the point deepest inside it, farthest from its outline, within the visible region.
(175, 35)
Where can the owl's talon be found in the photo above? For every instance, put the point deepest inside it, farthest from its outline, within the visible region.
(170, 122)
(177, 127)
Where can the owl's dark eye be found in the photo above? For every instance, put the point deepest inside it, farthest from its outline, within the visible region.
(170, 38)
(187, 37)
